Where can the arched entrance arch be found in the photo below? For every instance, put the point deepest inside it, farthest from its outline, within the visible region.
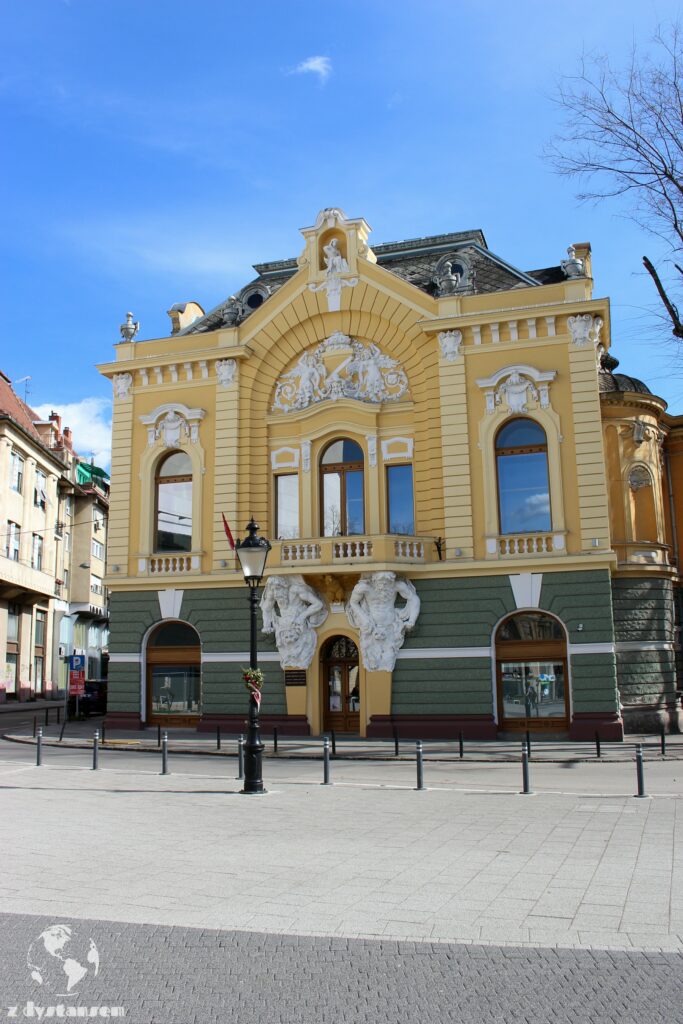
(340, 685)
(173, 659)
(531, 672)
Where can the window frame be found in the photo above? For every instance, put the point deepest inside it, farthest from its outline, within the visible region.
(387, 509)
(18, 466)
(39, 502)
(276, 505)
(521, 450)
(13, 535)
(178, 478)
(37, 549)
(342, 468)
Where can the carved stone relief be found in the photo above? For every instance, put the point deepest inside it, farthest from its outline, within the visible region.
(225, 371)
(450, 343)
(335, 265)
(512, 388)
(366, 374)
(292, 610)
(382, 624)
(123, 382)
(585, 329)
(171, 424)
(639, 477)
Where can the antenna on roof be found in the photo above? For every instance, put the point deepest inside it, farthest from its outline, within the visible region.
(24, 381)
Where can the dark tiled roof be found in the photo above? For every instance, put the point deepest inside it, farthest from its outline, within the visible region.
(610, 382)
(22, 414)
(414, 260)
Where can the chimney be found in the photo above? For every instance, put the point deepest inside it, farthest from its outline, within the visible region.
(57, 420)
(67, 438)
(583, 252)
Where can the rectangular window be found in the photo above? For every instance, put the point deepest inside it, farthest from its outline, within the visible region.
(10, 681)
(38, 665)
(400, 499)
(523, 493)
(67, 542)
(93, 668)
(17, 472)
(97, 549)
(37, 552)
(96, 584)
(40, 628)
(39, 491)
(66, 582)
(13, 614)
(68, 506)
(12, 542)
(287, 504)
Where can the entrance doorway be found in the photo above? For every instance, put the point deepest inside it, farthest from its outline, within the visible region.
(531, 666)
(341, 697)
(173, 676)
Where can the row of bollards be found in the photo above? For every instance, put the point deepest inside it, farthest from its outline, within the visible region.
(329, 751)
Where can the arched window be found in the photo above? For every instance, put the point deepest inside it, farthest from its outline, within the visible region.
(522, 468)
(173, 659)
(173, 488)
(341, 486)
(531, 663)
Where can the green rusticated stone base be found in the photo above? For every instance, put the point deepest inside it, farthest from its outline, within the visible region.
(643, 613)
(221, 617)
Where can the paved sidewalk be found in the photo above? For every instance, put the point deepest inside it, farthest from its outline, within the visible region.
(368, 857)
(162, 975)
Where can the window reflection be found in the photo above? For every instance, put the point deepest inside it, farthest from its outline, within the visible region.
(523, 490)
(533, 689)
(342, 485)
(287, 499)
(400, 499)
(174, 503)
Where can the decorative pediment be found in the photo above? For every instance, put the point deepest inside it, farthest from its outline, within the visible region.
(340, 367)
(173, 423)
(514, 387)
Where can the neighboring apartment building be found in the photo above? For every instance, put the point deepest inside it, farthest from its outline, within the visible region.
(53, 516)
(474, 517)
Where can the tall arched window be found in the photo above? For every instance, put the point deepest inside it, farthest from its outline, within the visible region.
(522, 468)
(341, 486)
(531, 662)
(174, 503)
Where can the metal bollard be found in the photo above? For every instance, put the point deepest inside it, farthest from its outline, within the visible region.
(39, 748)
(326, 762)
(47, 716)
(526, 787)
(420, 767)
(61, 731)
(158, 735)
(275, 740)
(528, 744)
(218, 737)
(103, 732)
(95, 750)
(640, 773)
(59, 714)
(461, 745)
(35, 725)
(662, 737)
(396, 742)
(164, 754)
(597, 744)
(334, 743)
(240, 758)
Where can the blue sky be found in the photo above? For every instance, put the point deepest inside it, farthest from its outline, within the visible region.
(155, 150)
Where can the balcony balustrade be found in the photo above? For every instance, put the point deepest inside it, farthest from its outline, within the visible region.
(354, 550)
(521, 545)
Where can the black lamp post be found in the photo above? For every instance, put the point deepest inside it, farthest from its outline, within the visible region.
(252, 553)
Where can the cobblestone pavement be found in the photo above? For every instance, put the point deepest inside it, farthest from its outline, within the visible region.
(171, 975)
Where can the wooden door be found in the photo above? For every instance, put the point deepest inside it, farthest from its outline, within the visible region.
(341, 695)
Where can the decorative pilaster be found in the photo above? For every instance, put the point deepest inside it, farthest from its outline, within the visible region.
(457, 487)
(226, 472)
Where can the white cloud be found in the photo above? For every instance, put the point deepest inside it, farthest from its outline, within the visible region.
(90, 421)
(321, 66)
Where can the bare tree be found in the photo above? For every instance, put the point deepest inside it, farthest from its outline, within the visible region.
(624, 137)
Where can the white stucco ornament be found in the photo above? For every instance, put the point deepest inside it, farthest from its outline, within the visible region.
(333, 283)
(515, 390)
(511, 388)
(585, 329)
(172, 424)
(292, 610)
(123, 382)
(366, 375)
(225, 371)
(450, 343)
(382, 624)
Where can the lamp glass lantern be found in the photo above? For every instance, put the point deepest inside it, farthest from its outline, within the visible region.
(252, 553)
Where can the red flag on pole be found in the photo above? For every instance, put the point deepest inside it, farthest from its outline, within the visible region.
(228, 534)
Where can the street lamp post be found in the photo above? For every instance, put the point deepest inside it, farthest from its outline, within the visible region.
(252, 553)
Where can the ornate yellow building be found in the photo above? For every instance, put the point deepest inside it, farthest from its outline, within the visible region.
(470, 511)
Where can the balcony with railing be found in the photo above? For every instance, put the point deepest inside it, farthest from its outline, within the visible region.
(179, 563)
(334, 552)
(524, 545)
